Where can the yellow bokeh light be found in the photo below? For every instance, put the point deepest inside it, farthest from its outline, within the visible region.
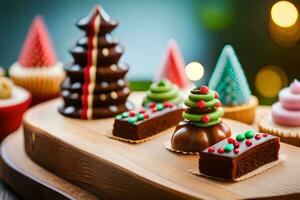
(270, 80)
(194, 71)
(284, 14)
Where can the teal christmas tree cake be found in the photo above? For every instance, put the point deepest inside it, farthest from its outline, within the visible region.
(229, 79)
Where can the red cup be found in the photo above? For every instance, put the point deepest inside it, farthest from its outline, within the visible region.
(11, 116)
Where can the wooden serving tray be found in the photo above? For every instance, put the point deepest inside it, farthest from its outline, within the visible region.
(80, 152)
(28, 179)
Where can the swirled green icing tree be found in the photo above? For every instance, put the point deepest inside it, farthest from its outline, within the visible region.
(163, 91)
(203, 107)
(229, 79)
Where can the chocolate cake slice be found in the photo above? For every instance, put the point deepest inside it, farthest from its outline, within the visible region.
(147, 122)
(232, 158)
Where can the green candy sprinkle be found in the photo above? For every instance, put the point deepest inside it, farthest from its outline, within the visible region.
(249, 134)
(140, 117)
(131, 120)
(162, 83)
(159, 106)
(228, 147)
(124, 114)
(118, 117)
(240, 137)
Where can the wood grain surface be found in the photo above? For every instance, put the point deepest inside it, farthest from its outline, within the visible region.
(28, 179)
(80, 152)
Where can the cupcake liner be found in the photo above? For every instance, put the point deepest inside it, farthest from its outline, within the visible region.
(244, 113)
(290, 135)
(41, 87)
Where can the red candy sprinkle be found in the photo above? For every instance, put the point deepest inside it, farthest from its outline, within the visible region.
(166, 104)
(216, 95)
(171, 105)
(201, 104)
(152, 105)
(236, 151)
(221, 150)
(204, 89)
(248, 142)
(265, 135)
(142, 111)
(154, 109)
(146, 116)
(205, 118)
(131, 114)
(236, 144)
(218, 104)
(257, 136)
(211, 149)
(230, 140)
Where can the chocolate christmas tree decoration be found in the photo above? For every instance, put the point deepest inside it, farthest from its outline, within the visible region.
(229, 79)
(173, 66)
(95, 87)
(38, 50)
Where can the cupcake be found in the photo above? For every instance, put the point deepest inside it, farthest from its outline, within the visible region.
(37, 69)
(229, 80)
(202, 125)
(14, 101)
(163, 91)
(285, 116)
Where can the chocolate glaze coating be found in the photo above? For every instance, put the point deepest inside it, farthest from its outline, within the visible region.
(189, 138)
(98, 112)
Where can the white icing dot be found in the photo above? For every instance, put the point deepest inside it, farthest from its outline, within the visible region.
(104, 84)
(65, 93)
(69, 110)
(113, 67)
(118, 49)
(121, 82)
(114, 95)
(74, 96)
(126, 90)
(105, 52)
(76, 85)
(76, 68)
(102, 97)
(113, 108)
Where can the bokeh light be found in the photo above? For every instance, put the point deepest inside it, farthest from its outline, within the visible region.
(284, 14)
(270, 80)
(194, 71)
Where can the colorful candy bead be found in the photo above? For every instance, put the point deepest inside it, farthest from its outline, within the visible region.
(236, 151)
(240, 137)
(218, 104)
(131, 114)
(205, 118)
(249, 134)
(142, 111)
(166, 104)
(131, 120)
(216, 95)
(151, 105)
(211, 149)
(248, 142)
(257, 136)
(159, 106)
(153, 109)
(265, 135)
(236, 144)
(146, 116)
(201, 104)
(124, 114)
(118, 117)
(230, 140)
(140, 117)
(204, 89)
(221, 150)
(228, 147)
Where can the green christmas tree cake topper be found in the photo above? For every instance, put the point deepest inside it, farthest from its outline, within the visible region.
(229, 79)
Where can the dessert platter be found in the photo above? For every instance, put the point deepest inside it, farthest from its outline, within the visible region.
(102, 141)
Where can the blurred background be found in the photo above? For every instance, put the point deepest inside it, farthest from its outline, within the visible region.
(267, 44)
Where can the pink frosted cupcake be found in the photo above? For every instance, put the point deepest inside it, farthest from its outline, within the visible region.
(37, 69)
(285, 116)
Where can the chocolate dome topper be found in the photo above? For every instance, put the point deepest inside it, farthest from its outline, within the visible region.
(95, 87)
